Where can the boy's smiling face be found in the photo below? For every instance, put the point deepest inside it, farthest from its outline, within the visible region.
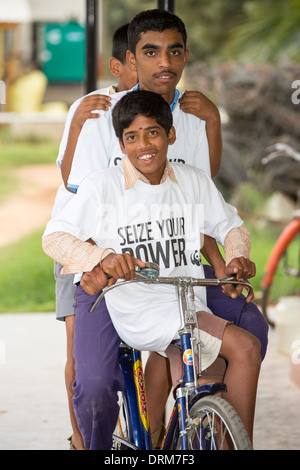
(145, 142)
(159, 59)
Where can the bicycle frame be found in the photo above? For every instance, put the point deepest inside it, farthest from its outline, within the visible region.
(135, 397)
(187, 393)
(136, 405)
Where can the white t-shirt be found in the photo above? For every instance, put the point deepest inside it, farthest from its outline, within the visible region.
(71, 112)
(158, 223)
(98, 147)
(63, 195)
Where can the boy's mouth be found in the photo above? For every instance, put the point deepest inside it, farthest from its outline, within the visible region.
(146, 157)
(165, 76)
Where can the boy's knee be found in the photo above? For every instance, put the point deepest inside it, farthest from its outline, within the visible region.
(251, 349)
(96, 392)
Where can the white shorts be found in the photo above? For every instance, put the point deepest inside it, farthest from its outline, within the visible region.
(210, 331)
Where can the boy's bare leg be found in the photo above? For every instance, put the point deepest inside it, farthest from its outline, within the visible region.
(242, 350)
(77, 440)
(158, 385)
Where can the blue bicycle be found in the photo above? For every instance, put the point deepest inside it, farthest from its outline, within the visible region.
(200, 419)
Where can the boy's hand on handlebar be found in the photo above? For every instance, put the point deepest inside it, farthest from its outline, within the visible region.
(243, 269)
(93, 281)
(121, 266)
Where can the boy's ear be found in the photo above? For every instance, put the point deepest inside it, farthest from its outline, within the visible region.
(172, 135)
(115, 66)
(122, 146)
(186, 56)
(131, 61)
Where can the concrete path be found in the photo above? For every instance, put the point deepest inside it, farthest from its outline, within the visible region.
(33, 403)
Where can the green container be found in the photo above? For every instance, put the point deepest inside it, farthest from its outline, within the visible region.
(63, 54)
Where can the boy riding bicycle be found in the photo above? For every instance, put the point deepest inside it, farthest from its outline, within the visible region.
(155, 211)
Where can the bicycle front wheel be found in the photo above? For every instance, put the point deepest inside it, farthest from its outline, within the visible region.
(215, 425)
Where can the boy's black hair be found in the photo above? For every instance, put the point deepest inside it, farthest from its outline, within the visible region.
(153, 20)
(141, 102)
(119, 43)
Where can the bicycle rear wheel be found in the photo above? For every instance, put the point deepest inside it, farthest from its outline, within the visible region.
(121, 438)
(215, 425)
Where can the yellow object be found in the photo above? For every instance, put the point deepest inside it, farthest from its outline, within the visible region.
(141, 393)
(26, 93)
(54, 107)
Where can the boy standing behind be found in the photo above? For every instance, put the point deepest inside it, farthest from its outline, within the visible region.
(79, 112)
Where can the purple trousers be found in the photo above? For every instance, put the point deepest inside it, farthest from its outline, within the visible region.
(98, 375)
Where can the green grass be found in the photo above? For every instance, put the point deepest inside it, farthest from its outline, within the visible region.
(29, 151)
(26, 273)
(17, 153)
(27, 282)
(263, 240)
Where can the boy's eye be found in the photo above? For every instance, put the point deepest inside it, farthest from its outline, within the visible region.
(130, 138)
(150, 53)
(153, 53)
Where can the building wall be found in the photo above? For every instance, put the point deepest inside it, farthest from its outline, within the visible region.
(54, 11)
(58, 10)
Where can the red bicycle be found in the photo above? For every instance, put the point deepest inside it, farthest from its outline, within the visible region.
(285, 256)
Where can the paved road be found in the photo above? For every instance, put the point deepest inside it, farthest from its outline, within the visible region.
(33, 405)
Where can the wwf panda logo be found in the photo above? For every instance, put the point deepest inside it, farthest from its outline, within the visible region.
(195, 258)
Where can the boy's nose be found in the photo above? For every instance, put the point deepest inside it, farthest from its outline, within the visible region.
(144, 142)
(165, 60)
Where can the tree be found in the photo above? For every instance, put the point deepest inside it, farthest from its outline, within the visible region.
(268, 32)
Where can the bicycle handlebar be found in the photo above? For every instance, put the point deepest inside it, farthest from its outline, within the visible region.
(177, 281)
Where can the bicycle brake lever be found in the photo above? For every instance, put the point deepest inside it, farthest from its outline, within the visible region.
(226, 278)
(150, 271)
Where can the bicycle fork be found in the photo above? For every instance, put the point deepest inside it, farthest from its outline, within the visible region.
(190, 382)
(189, 392)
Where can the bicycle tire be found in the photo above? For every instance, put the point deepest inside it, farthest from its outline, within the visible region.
(215, 425)
(285, 239)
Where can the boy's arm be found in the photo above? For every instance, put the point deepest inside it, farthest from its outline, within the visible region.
(73, 254)
(194, 102)
(78, 256)
(237, 248)
(83, 112)
(211, 253)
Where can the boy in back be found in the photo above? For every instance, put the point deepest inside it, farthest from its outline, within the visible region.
(81, 110)
(175, 205)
